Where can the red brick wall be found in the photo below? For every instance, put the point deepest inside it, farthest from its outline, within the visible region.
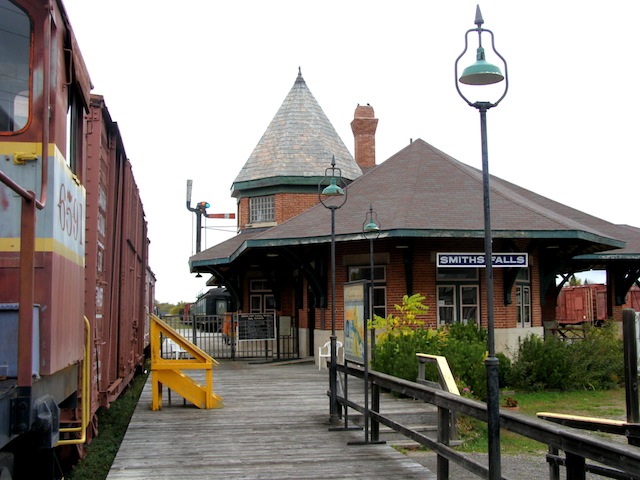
(288, 205)
(424, 282)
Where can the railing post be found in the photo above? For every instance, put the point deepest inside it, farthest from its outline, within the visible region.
(421, 369)
(575, 467)
(444, 422)
(554, 468)
(630, 338)
(375, 406)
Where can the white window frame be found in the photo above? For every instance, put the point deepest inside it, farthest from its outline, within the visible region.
(475, 305)
(262, 209)
(523, 307)
(451, 306)
(363, 272)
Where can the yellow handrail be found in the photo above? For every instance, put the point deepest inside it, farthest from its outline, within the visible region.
(86, 395)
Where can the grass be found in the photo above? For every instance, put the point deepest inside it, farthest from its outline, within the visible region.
(112, 425)
(602, 403)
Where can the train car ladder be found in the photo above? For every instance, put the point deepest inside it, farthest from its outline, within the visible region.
(168, 372)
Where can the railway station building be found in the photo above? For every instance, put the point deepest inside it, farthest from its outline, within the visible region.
(429, 207)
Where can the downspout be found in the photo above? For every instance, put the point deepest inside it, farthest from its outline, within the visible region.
(86, 394)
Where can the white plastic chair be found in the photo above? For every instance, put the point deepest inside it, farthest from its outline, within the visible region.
(327, 354)
(173, 350)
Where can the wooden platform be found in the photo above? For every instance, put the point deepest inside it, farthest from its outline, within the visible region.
(274, 425)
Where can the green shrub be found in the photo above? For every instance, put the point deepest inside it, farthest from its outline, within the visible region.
(598, 360)
(465, 349)
(540, 364)
(504, 369)
(396, 353)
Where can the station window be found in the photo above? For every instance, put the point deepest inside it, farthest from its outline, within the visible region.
(458, 303)
(15, 45)
(261, 299)
(523, 298)
(379, 286)
(458, 296)
(261, 209)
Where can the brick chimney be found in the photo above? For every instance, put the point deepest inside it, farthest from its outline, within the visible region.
(364, 127)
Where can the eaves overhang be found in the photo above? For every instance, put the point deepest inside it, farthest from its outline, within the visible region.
(274, 184)
(599, 242)
(606, 256)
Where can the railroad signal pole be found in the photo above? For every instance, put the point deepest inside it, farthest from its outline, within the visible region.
(201, 210)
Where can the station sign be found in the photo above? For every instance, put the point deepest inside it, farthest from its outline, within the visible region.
(477, 260)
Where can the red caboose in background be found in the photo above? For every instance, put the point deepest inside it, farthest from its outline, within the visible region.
(588, 303)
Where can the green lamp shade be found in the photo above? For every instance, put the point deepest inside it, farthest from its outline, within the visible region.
(371, 227)
(333, 189)
(481, 72)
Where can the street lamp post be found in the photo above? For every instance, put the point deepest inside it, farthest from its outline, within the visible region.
(371, 230)
(325, 194)
(484, 73)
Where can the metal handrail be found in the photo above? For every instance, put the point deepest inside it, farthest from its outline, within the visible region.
(616, 457)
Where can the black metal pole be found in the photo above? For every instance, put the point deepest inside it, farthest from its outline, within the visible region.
(198, 230)
(491, 363)
(333, 369)
(366, 344)
(630, 337)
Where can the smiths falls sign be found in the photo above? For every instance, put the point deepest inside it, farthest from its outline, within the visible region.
(476, 260)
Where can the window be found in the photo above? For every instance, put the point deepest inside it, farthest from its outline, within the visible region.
(15, 44)
(458, 298)
(75, 122)
(379, 286)
(261, 209)
(523, 298)
(446, 305)
(261, 300)
(469, 307)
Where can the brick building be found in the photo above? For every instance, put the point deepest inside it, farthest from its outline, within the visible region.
(430, 210)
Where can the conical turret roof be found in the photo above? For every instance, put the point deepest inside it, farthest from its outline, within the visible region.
(297, 146)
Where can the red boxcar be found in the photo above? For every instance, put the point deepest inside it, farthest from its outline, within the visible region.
(118, 293)
(73, 244)
(588, 303)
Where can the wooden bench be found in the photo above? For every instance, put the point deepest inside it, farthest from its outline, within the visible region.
(576, 465)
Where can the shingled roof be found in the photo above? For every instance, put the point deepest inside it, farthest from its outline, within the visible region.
(297, 146)
(423, 192)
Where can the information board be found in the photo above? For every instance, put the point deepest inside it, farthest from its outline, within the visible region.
(354, 321)
(256, 326)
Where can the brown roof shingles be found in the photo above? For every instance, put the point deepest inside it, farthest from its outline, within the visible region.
(421, 191)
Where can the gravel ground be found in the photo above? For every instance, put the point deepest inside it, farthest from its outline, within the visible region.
(516, 467)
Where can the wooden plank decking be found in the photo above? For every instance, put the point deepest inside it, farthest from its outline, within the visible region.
(274, 425)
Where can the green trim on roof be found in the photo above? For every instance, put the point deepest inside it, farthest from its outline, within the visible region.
(277, 184)
(608, 256)
(408, 233)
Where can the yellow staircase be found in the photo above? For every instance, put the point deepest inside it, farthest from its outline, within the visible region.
(169, 372)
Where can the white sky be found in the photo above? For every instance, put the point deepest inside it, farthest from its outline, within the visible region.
(194, 84)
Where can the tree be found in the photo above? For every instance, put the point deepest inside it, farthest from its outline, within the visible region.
(574, 282)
